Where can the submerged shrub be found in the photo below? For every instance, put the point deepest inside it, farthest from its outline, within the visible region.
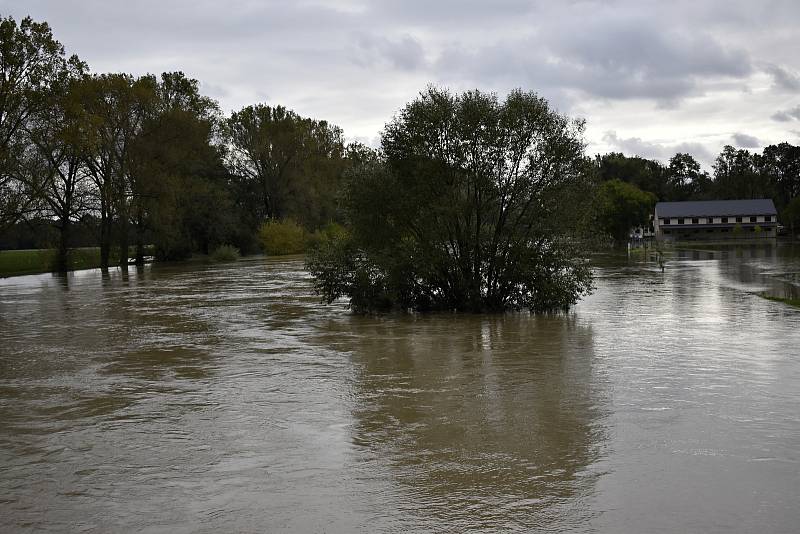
(225, 253)
(279, 238)
(472, 205)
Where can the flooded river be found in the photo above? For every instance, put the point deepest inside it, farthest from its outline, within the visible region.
(225, 398)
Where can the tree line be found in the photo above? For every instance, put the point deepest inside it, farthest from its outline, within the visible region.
(121, 162)
(148, 160)
(630, 186)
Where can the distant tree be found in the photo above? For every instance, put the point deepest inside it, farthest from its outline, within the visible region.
(115, 108)
(181, 189)
(621, 207)
(780, 164)
(686, 180)
(290, 165)
(790, 215)
(30, 61)
(736, 176)
(467, 210)
(647, 175)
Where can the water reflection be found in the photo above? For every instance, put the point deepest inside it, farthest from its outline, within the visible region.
(230, 393)
(490, 422)
(770, 268)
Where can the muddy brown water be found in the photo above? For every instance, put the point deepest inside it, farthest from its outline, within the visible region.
(225, 398)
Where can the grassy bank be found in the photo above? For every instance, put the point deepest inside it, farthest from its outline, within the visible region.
(789, 301)
(19, 262)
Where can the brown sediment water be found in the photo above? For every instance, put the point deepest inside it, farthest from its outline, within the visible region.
(209, 398)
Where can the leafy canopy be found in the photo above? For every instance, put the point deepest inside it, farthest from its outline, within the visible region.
(621, 207)
(468, 207)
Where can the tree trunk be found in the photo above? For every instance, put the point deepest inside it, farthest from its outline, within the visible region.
(62, 263)
(123, 242)
(105, 240)
(139, 251)
(139, 240)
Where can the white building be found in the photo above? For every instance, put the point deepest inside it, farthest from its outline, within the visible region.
(715, 219)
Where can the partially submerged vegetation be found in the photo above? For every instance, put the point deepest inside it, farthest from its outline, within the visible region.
(225, 253)
(20, 262)
(473, 205)
(785, 300)
(281, 238)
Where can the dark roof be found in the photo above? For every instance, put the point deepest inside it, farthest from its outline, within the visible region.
(710, 208)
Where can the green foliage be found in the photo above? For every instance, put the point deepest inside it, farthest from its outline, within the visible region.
(781, 165)
(647, 175)
(467, 210)
(738, 231)
(736, 175)
(329, 232)
(288, 165)
(757, 229)
(31, 63)
(279, 238)
(790, 215)
(621, 207)
(225, 253)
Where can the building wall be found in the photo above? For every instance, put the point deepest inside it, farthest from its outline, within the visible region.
(714, 227)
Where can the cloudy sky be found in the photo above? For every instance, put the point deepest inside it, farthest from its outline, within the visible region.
(650, 77)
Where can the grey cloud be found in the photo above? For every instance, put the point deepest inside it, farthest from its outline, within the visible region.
(745, 141)
(783, 78)
(613, 59)
(635, 146)
(787, 115)
(642, 48)
(355, 62)
(405, 53)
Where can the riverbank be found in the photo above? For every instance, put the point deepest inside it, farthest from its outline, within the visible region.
(37, 261)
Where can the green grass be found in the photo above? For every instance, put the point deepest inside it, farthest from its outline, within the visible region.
(789, 301)
(19, 262)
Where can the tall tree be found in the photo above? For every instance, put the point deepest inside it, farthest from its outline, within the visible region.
(116, 106)
(736, 176)
(55, 133)
(621, 207)
(182, 187)
(686, 180)
(285, 160)
(647, 175)
(30, 61)
(780, 165)
(466, 211)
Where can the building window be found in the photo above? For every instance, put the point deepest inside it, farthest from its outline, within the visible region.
(738, 219)
(724, 219)
(753, 219)
(680, 221)
(695, 221)
(768, 218)
(664, 221)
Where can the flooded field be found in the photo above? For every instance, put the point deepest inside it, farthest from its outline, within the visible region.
(225, 398)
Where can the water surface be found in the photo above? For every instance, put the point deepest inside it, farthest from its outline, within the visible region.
(207, 398)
